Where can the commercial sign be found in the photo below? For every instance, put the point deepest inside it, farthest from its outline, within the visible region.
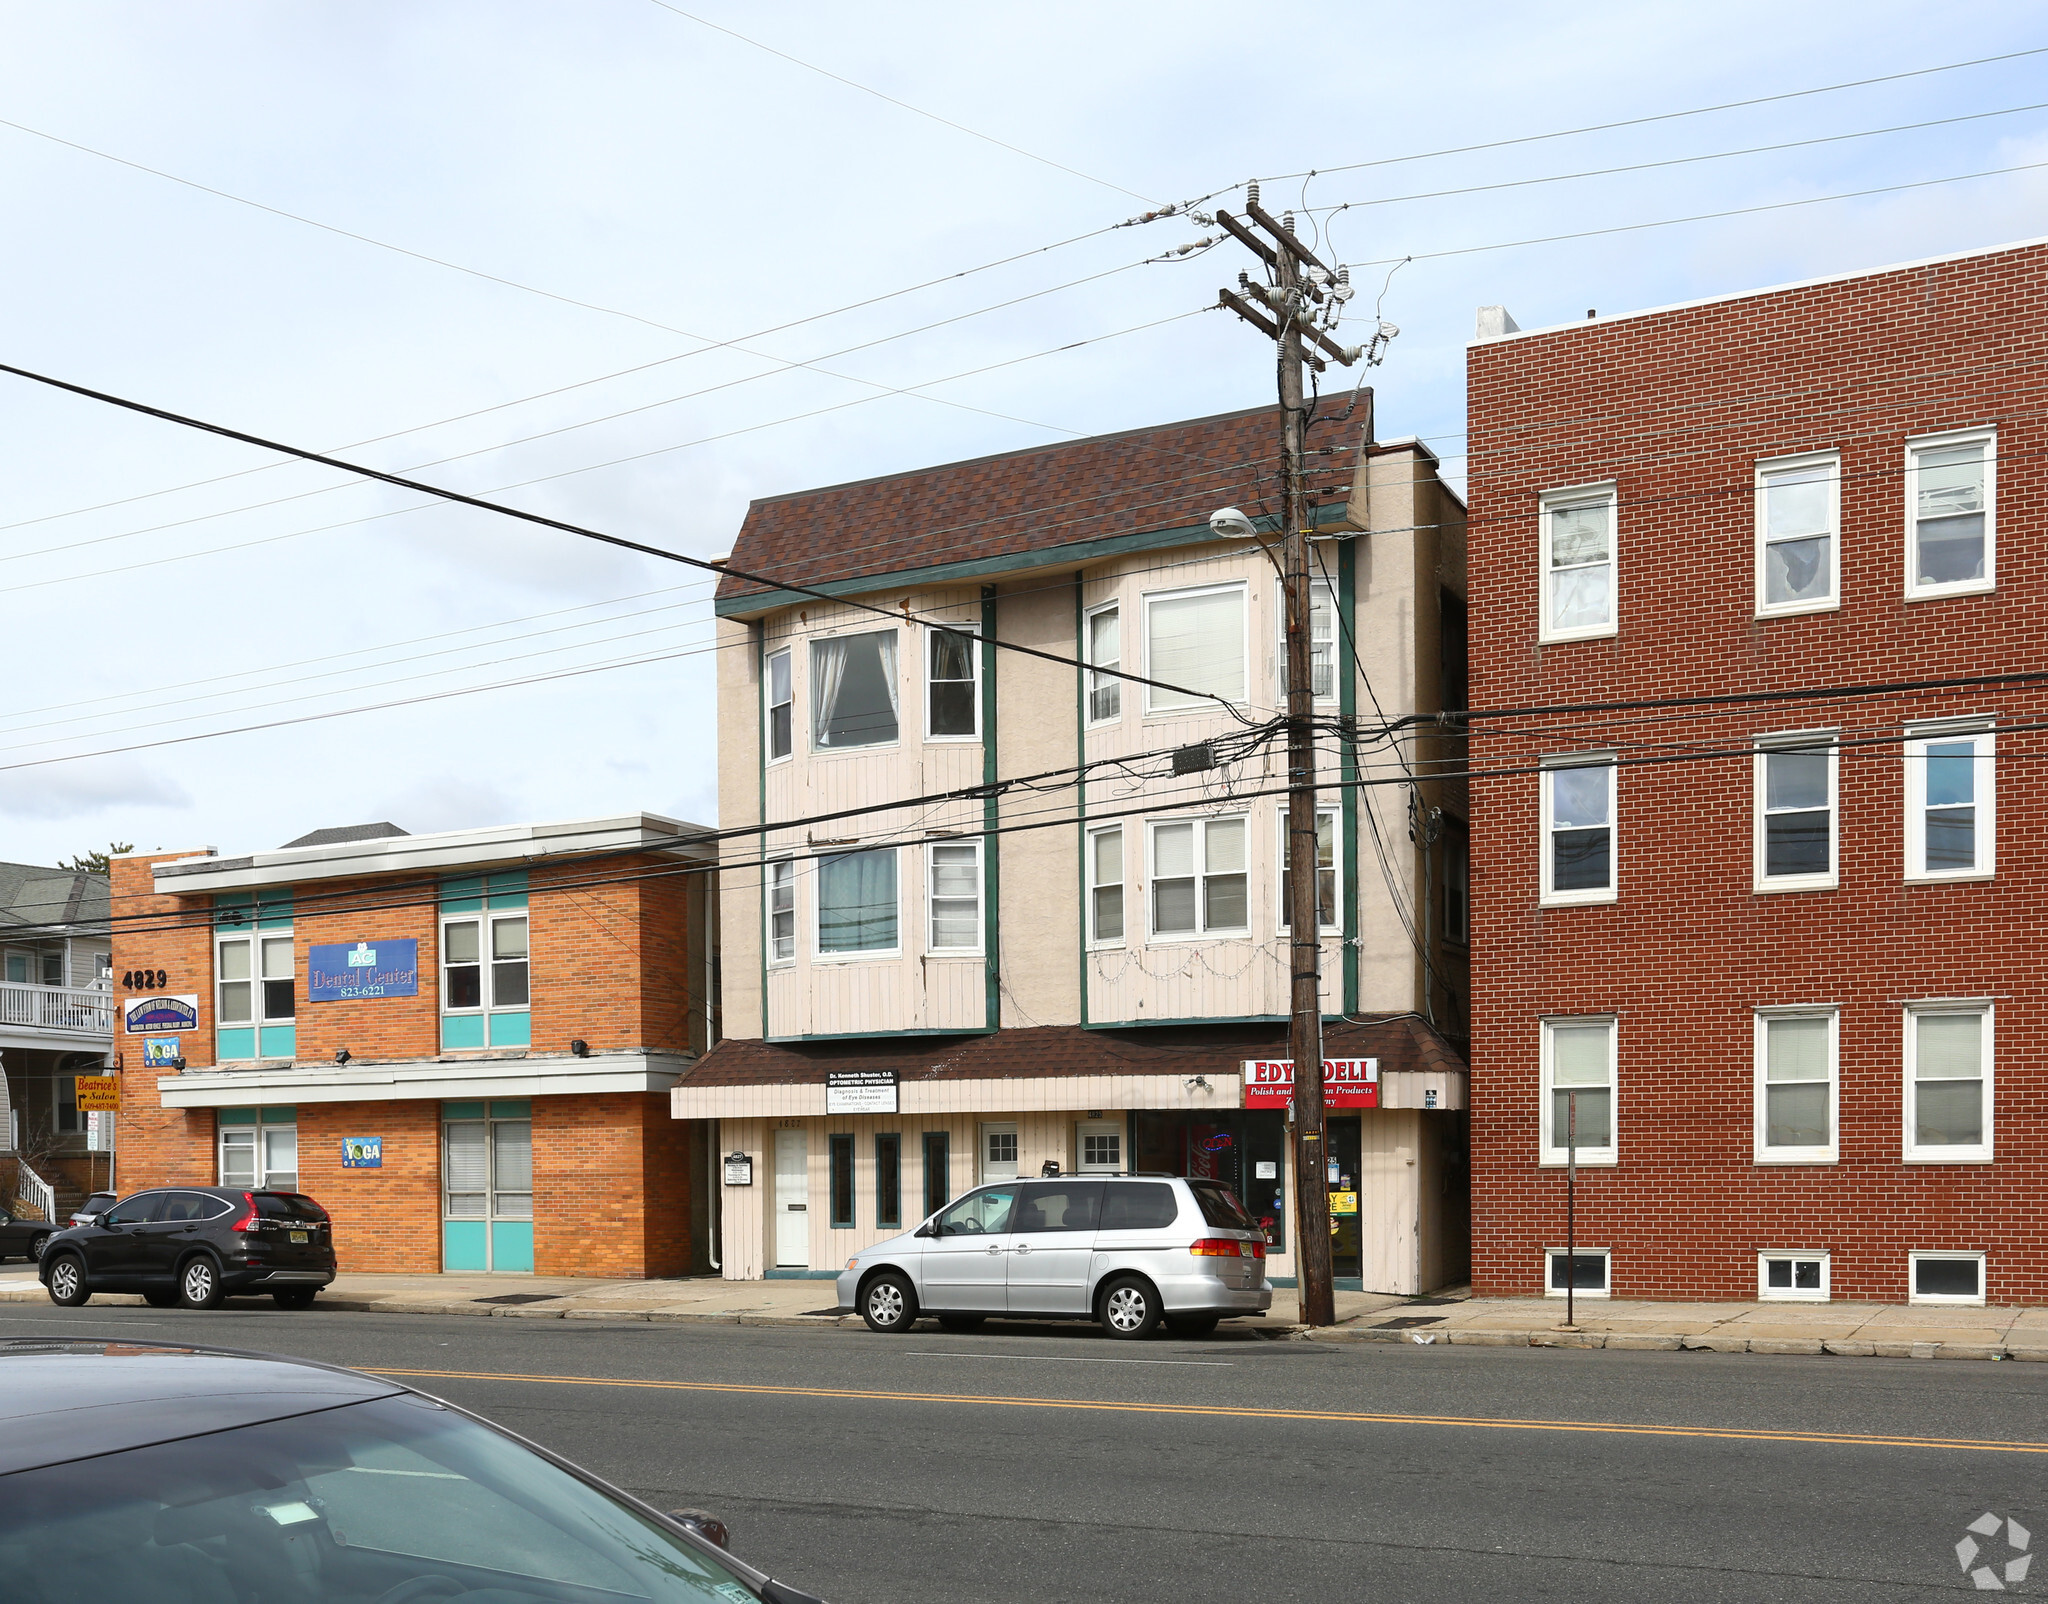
(162, 1052)
(343, 972)
(1347, 1082)
(99, 1093)
(140, 1014)
(362, 1152)
(739, 1169)
(861, 1091)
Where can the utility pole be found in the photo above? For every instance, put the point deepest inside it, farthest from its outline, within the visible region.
(1292, 307)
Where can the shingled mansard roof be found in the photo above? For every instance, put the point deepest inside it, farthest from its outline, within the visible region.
(1402, 1042)
(1045, 505)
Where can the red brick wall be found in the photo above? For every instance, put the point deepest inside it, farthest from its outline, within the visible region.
(611, 1187)
(1677, 408)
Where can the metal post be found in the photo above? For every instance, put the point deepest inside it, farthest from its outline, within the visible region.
(1571, 1208)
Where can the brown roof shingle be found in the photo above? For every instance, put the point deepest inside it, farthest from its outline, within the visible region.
(1164, 477)
(1401, 1042)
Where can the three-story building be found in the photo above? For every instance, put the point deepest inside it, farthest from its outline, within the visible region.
(1010, 771)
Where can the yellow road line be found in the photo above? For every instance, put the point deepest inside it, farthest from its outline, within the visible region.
(1229, 1412)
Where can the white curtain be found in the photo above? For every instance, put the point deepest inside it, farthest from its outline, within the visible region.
(885, 648)
(828, 673)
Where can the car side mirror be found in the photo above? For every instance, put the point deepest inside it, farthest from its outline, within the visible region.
(926, 1229)
(705, 1524)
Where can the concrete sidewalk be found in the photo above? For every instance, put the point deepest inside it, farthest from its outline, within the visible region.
(1851, 1329)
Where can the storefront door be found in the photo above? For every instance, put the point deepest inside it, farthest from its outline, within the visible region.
(1345, 1257)
(792, 1201)
(487, 1181)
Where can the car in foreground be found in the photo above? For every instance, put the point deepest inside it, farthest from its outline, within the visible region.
(194, 1245)
(181, 1475)
(24, 1235)
(1131, 1252)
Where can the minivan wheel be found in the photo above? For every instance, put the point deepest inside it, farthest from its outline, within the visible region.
(199, 1284)
(67, 1282)
(888, 1304)
(1130, 1308)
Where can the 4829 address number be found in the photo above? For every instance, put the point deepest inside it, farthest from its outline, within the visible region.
(145, 979)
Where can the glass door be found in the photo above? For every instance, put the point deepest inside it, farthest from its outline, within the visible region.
(487, 1187)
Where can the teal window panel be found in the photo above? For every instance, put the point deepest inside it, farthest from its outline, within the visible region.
(512, 1030)
(508, 890)
(464, 1245)
(274, 914)
(236, 1116)
(231, 908)
(267, 910)
(234, 1043)
(464, 894)
(512, 1246)
(515, 1108)
(280, 1041)
(462, 1030)
(462, 1110)
(280, 1116)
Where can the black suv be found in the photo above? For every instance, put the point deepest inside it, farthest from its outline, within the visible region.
(193, 1245)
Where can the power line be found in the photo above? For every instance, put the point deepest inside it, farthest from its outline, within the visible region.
(973, 133)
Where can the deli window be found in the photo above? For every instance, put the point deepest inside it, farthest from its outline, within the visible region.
(1242, 1148)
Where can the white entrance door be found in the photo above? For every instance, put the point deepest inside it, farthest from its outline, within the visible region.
(999, 1152)
(792, 1202)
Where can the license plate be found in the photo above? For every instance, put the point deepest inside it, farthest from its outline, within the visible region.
(300, 1236)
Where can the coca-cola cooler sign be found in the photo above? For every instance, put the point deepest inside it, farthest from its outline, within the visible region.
(1347, 1082)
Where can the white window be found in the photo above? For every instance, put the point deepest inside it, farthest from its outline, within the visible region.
(1322, 641)
(780, 888)
(1106, 886)
(1105, 650)
(1329, 887)
(1578, 1090)
(1797, 1096)
(1795, 813)
(1792, 1277)
(1578, 562)
(952, 703)
(1578, 830)
(999, 1152)
(1951, 791)
(854, 690)
(1951, 505)
(1198, 878)
(953, 882)
(857, 904)
(1583, 1271)
(1194, 639)
(256, 983)
(1948, 1083)
(485, 963)
(261, 1157)
(1099, 1146)
(1946, 1277)
(1798, 527)
(780, 706)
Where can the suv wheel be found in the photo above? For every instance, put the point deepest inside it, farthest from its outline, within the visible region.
(1130, 1308)
(67, 1281)
(888, 1304)
(199, 1284)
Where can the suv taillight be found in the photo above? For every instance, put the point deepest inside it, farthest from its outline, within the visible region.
(1226, 1247)
(248, 1221)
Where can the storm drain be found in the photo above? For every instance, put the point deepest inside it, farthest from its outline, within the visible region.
(518, 1297)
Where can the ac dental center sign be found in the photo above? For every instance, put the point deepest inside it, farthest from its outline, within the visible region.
(1347, 1082)
(343, 972)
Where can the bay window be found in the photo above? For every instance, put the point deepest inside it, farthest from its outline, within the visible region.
(1322, 641)
(781, 894)
(1194, 641)
(1198, 878)
(854, 690)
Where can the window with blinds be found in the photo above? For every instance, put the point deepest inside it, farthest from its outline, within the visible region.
(1194, 645)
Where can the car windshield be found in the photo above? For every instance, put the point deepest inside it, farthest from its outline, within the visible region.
(1220, 1207)
(289, 1206)
(397, 1497)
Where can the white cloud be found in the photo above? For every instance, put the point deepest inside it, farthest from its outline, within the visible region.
(84, 794)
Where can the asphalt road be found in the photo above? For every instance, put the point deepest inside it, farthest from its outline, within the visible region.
(1047, 1463)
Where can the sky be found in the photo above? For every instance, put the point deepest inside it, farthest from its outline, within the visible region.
(627, 264)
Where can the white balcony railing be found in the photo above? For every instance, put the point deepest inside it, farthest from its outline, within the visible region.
(66, 1008)
(37, 1193)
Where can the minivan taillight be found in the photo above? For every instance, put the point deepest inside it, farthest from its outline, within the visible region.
(1226, 1247)
(248, 1221)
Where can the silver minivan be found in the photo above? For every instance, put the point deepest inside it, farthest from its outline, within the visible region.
(1130, 1251)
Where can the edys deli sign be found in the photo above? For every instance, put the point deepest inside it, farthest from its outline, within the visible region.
(339, 972)
(1347, 1082)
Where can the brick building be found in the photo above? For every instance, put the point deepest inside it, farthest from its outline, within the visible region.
(459, 1043)
(1776, 932)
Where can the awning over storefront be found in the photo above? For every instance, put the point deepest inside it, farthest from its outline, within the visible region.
(1058, 1067)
